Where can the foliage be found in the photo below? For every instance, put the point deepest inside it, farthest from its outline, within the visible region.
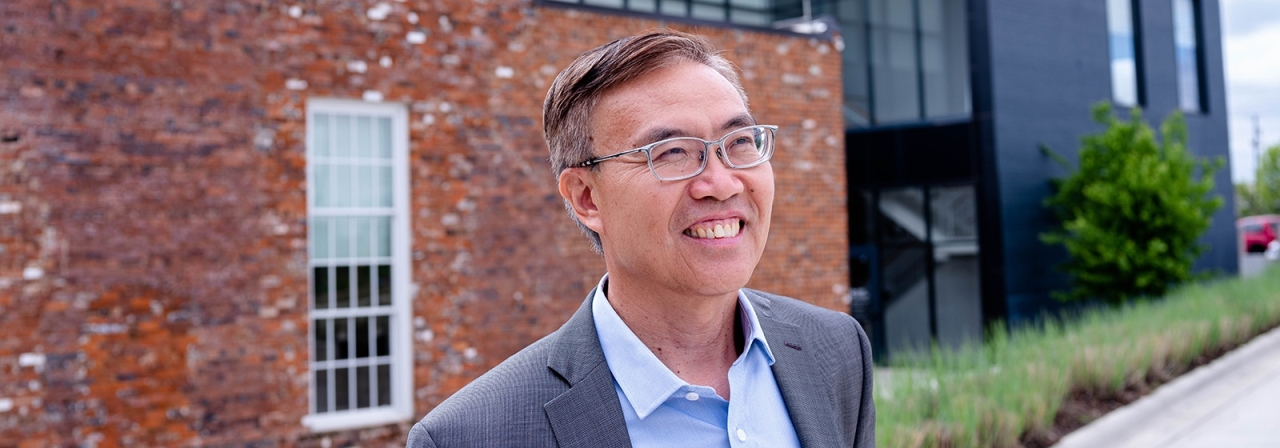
(1263, 197)
(1132, 213)
(1011, 388)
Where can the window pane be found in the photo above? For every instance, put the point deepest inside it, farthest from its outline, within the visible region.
(363, 286)
(362, 337)
(1124, 68)
(342, 392)
(364, 137)
(945, 57)
(363, 236)
(383, 335)
(342, 136)
(643, 5)
(902, 219)
(708, 12)
(893, 44)
(384, 138)
(320, 286)
(320, 184)
(364, 186)
(904, 293)
(362, 387)
(322, 391)
(342, 281)
(604, 3)
(384, 385)
(341, 337)
(674, 7)
(384, 285)
(384, 186)
(383, 229)
(342, 237)
(321, 340)
(1185, 19)
(341, 186)
(320, 134)
(319, 234)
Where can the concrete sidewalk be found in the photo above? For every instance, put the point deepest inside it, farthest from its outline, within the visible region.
(1233, 401)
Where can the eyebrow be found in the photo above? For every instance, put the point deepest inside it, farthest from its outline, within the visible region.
(659, 134)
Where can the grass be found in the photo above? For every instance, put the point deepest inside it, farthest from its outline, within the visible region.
(1013, 386)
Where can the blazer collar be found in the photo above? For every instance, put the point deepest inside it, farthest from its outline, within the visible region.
(589, 413)
(799, 376)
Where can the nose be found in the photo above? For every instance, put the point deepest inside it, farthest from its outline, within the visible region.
(716, 181)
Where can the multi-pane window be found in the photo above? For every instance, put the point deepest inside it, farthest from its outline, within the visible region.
(903, 60)
(744, 12)
(357, 226)
(1186, 26)
(1124, 56)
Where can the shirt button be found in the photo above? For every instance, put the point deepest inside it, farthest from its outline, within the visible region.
(742, 435)
(691, 396)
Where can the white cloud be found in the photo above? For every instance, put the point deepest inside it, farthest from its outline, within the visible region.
(1251, 30)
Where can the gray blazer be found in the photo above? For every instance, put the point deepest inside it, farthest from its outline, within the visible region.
(558, 392)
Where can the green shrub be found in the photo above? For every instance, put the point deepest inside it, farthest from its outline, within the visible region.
(1263, 197)
(1132, 213)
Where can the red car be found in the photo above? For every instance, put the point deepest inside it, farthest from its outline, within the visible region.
(1258, 231)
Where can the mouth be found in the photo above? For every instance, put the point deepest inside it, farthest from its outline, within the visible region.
(717, 229)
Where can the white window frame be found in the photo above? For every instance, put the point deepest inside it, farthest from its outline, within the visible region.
(401, 352)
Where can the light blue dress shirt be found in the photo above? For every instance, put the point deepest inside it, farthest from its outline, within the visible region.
(662, 410)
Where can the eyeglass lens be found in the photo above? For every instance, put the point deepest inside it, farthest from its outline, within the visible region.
(682, 157)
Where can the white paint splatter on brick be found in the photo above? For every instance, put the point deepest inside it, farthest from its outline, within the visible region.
(6, 404)
(358, 66)
(815, 70)
(504, 72)
(31, 360)
(32, 273)
(10, 207)
(445, 25)
(372, 96)
(295, 84)
(295, 11)
(788, 78)
(379, 12)
(413, 18)
(469, 353)
(416, 37)
(428, 119)
(809, 123)
(385, 61)
(451, 59)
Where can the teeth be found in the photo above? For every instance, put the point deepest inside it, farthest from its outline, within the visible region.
(721, 230)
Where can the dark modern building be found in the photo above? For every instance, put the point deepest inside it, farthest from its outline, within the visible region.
(946, 105)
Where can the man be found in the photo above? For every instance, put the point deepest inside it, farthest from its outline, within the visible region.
(663, 167)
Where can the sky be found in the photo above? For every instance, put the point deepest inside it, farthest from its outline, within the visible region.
(1251, 47)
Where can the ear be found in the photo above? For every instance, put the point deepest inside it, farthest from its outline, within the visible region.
(576, 187)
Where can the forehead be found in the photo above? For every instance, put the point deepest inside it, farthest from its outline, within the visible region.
(682, 99)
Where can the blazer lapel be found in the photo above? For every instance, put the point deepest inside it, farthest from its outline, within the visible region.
(589, 413)
(799, 378)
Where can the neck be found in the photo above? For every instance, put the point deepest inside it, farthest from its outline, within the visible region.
(696, 337)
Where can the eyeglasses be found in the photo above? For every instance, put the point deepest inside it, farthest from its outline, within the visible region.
(684, 157)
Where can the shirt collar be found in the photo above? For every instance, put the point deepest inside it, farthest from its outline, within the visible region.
(645, 381)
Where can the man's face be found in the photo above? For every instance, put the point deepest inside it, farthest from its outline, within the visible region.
(661, 234)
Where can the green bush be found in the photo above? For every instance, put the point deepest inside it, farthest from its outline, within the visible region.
(1263, 197)
(1132, 213)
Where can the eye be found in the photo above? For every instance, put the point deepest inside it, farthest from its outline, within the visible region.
(674, 150)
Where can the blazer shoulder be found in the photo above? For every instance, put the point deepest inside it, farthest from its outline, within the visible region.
(509, 396)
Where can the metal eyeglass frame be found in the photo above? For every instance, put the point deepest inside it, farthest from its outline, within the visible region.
(773, 131)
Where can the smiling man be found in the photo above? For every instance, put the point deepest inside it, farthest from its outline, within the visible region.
(664, 168)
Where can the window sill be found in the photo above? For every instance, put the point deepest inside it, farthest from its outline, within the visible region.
(345, 420)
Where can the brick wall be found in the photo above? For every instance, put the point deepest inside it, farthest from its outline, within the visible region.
(153, 271)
